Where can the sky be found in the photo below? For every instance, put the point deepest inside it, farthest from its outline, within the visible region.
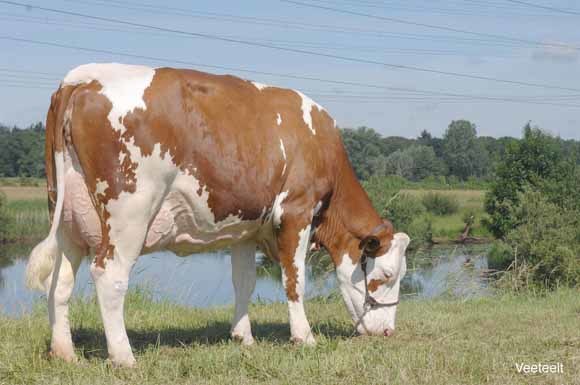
(518, 63)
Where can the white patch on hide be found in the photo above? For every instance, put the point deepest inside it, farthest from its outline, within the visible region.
(283, 149)
(307, 105)
(299, 326)
(277, 209)
(122, 84)
(102, 186)
(283, 155)
(278, 119)
(260, 86)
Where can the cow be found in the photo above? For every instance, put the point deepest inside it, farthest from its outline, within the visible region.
(142, 159)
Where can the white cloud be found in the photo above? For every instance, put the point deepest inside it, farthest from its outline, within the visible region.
(556, 52)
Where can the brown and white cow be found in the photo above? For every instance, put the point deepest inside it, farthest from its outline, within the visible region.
(141, 159)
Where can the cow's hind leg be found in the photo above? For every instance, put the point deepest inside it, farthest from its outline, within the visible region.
(59, 287)
(244, 280)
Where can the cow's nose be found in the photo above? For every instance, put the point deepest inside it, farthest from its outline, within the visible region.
(388, 332)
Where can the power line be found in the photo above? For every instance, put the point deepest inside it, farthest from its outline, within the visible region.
(283, 43)
(425, 25)
(295, 50)
(545, 7)
(416, 8)
(29, 75)
(280, 75)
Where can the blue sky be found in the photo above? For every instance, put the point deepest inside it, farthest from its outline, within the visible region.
(29, 72)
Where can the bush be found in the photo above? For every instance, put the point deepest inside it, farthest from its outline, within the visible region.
(402, 210)
(440, 204)
(537, 162)
(546, 241)
(382, 189)
(500, 256)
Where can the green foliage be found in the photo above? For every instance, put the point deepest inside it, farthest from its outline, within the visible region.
(382, 189)
(415, 163)
(22, 151)
(546, 241)
(464, 155)
(4, 220)
(440, 204)
(364, 147)
(402, 209)
(500, 256)
(536, 162)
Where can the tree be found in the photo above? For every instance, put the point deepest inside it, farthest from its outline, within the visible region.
(426, 139)
(400, 163)
(535, 163)
(463, 154)
(363, 146)
(22, 151)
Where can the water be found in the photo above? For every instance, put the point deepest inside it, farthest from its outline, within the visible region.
(204, 280)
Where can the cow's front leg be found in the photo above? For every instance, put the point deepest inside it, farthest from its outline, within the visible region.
(293, 241)
(244, 280)
(110, 271)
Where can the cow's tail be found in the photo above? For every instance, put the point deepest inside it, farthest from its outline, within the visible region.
(43, 256)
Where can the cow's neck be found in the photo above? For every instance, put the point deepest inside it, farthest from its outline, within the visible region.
(349, 218)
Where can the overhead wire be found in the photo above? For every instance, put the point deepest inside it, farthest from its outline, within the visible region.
(416, 92)
(295, 50)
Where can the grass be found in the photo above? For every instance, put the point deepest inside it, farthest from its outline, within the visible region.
(24, 193)
(27, 219)
(437, 342)
(450, 226)
(26, 209)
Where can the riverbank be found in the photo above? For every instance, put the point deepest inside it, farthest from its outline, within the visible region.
(437, 342)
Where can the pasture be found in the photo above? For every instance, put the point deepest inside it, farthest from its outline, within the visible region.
(444, 341)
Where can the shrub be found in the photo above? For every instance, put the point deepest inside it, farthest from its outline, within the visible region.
(440, 204)
(500, 256)
(546, 240)
(402, 210)
(537, 162)
(382, 189)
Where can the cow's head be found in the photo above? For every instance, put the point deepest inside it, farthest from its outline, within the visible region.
(385, 268)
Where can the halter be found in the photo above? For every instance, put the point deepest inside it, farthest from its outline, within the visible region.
(370, 301)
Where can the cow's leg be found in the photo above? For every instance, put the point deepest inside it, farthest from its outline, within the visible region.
(244, 280)
(126, 228)
(293, 241)
(59, 286)
(112, 282)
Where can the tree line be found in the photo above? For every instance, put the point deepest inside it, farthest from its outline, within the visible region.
(460, 154)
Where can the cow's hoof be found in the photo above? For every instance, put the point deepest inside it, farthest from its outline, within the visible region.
(306, 341)
(126, 362)
(69, 357)
(63, 352)
(245, 340)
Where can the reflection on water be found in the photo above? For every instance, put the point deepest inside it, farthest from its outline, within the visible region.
(205, 279)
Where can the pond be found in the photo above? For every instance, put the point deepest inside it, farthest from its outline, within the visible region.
(203, 280)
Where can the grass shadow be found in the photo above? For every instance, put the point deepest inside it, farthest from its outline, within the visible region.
(93, 344)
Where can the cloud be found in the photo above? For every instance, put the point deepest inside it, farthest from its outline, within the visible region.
(556, 52)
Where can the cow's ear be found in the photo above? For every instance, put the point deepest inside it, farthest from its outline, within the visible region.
(370, 245)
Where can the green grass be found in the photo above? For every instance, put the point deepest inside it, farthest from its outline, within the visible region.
(437, 342)
(451, 226)
(27, 219)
